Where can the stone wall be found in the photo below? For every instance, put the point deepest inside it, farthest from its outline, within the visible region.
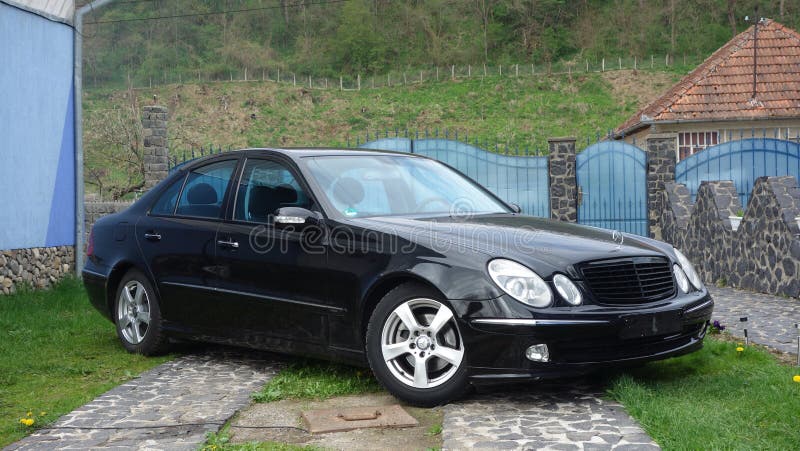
(96, 210)
(43, 266)
(35, 267)
(763, 254)
(563, 182)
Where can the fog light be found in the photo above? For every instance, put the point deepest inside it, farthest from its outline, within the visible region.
(538, 353)
(703, 330)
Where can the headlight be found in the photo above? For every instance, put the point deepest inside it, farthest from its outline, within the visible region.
(520, 282)
(567, 289)
(680, 277)
(687, 267)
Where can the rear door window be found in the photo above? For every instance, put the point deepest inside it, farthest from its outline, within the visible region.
(204, 191)
(165, 205)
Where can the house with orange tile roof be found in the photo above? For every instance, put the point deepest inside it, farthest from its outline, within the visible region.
(750, 86)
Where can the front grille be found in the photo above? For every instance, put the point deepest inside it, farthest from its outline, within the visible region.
(633, 280)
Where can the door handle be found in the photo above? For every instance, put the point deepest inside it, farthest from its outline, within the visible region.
(152, 236)
(230, 243)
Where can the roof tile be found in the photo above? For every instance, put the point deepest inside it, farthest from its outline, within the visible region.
(721, 87)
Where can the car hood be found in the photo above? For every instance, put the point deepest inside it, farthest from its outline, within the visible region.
(543, 244)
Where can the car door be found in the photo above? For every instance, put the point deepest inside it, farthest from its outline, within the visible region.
(177, 239)
(273, 280)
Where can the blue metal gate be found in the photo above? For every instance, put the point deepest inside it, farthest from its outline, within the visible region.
(612, 187)
(741, 161)
(518, 179)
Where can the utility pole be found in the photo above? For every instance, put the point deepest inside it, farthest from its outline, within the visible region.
(77, 80)
(755, 54)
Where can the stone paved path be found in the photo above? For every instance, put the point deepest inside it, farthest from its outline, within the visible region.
(204, 389)
(770, 319)
(207, 388)
(560, 416)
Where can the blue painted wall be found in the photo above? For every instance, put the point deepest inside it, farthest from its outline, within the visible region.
(37, 147)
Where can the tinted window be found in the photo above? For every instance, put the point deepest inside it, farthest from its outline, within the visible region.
(165, 205)
(205, 189)
(265, 187)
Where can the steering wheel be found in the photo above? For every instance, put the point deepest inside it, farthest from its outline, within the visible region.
(430, 200)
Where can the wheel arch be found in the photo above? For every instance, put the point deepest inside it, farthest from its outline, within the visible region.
(118, 271)
(384, 285)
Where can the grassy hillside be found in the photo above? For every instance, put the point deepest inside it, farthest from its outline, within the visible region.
(141, 40)
(521, 112)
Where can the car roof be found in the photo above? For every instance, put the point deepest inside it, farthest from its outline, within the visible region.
(294, 153)
(298, 152)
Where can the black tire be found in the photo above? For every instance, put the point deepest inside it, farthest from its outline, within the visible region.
(150, 339)
(452, 388)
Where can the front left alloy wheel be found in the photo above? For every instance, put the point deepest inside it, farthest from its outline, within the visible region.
(415, 348)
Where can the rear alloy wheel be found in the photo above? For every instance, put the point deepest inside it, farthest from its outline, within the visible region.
(133, 312)
(138, 317)
(415, 348)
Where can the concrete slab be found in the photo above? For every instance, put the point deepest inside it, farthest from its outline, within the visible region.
(348, 419)
(288, 412)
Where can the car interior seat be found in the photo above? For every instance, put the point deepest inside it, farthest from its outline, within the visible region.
(202, 201)
(348, 192)
(264, 200)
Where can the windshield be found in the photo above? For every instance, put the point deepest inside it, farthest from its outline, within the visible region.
(383, 185)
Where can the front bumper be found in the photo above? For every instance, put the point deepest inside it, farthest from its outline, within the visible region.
(581, 339)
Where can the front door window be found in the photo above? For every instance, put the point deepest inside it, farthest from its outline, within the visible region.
(266, 186)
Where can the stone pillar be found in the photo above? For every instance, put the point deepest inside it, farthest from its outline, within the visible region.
(563, 184)
(156, 152)
(660, 150)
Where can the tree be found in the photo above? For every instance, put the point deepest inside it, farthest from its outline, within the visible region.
(358, 45)
(114, 149)
(484, 11)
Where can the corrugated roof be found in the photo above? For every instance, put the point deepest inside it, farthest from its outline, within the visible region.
(61, 10)
(721, 88)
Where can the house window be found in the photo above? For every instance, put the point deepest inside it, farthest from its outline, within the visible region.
(689, 143)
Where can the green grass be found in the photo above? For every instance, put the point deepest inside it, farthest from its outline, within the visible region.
(521, 112)
(436, 429)
(317, 380)
(518, 113)
(221, 441)
(56, 353)
(715, 399)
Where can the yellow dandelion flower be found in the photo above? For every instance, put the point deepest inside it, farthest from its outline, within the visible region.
(27, 421)
(739, 349)
(796, 378)
(30, 414)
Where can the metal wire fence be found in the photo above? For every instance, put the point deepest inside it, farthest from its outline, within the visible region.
(396, 77)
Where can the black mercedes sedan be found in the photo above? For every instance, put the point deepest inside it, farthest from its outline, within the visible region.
(390, 260)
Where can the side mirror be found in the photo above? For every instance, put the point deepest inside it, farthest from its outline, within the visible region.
(295, 216)
(515, 208)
